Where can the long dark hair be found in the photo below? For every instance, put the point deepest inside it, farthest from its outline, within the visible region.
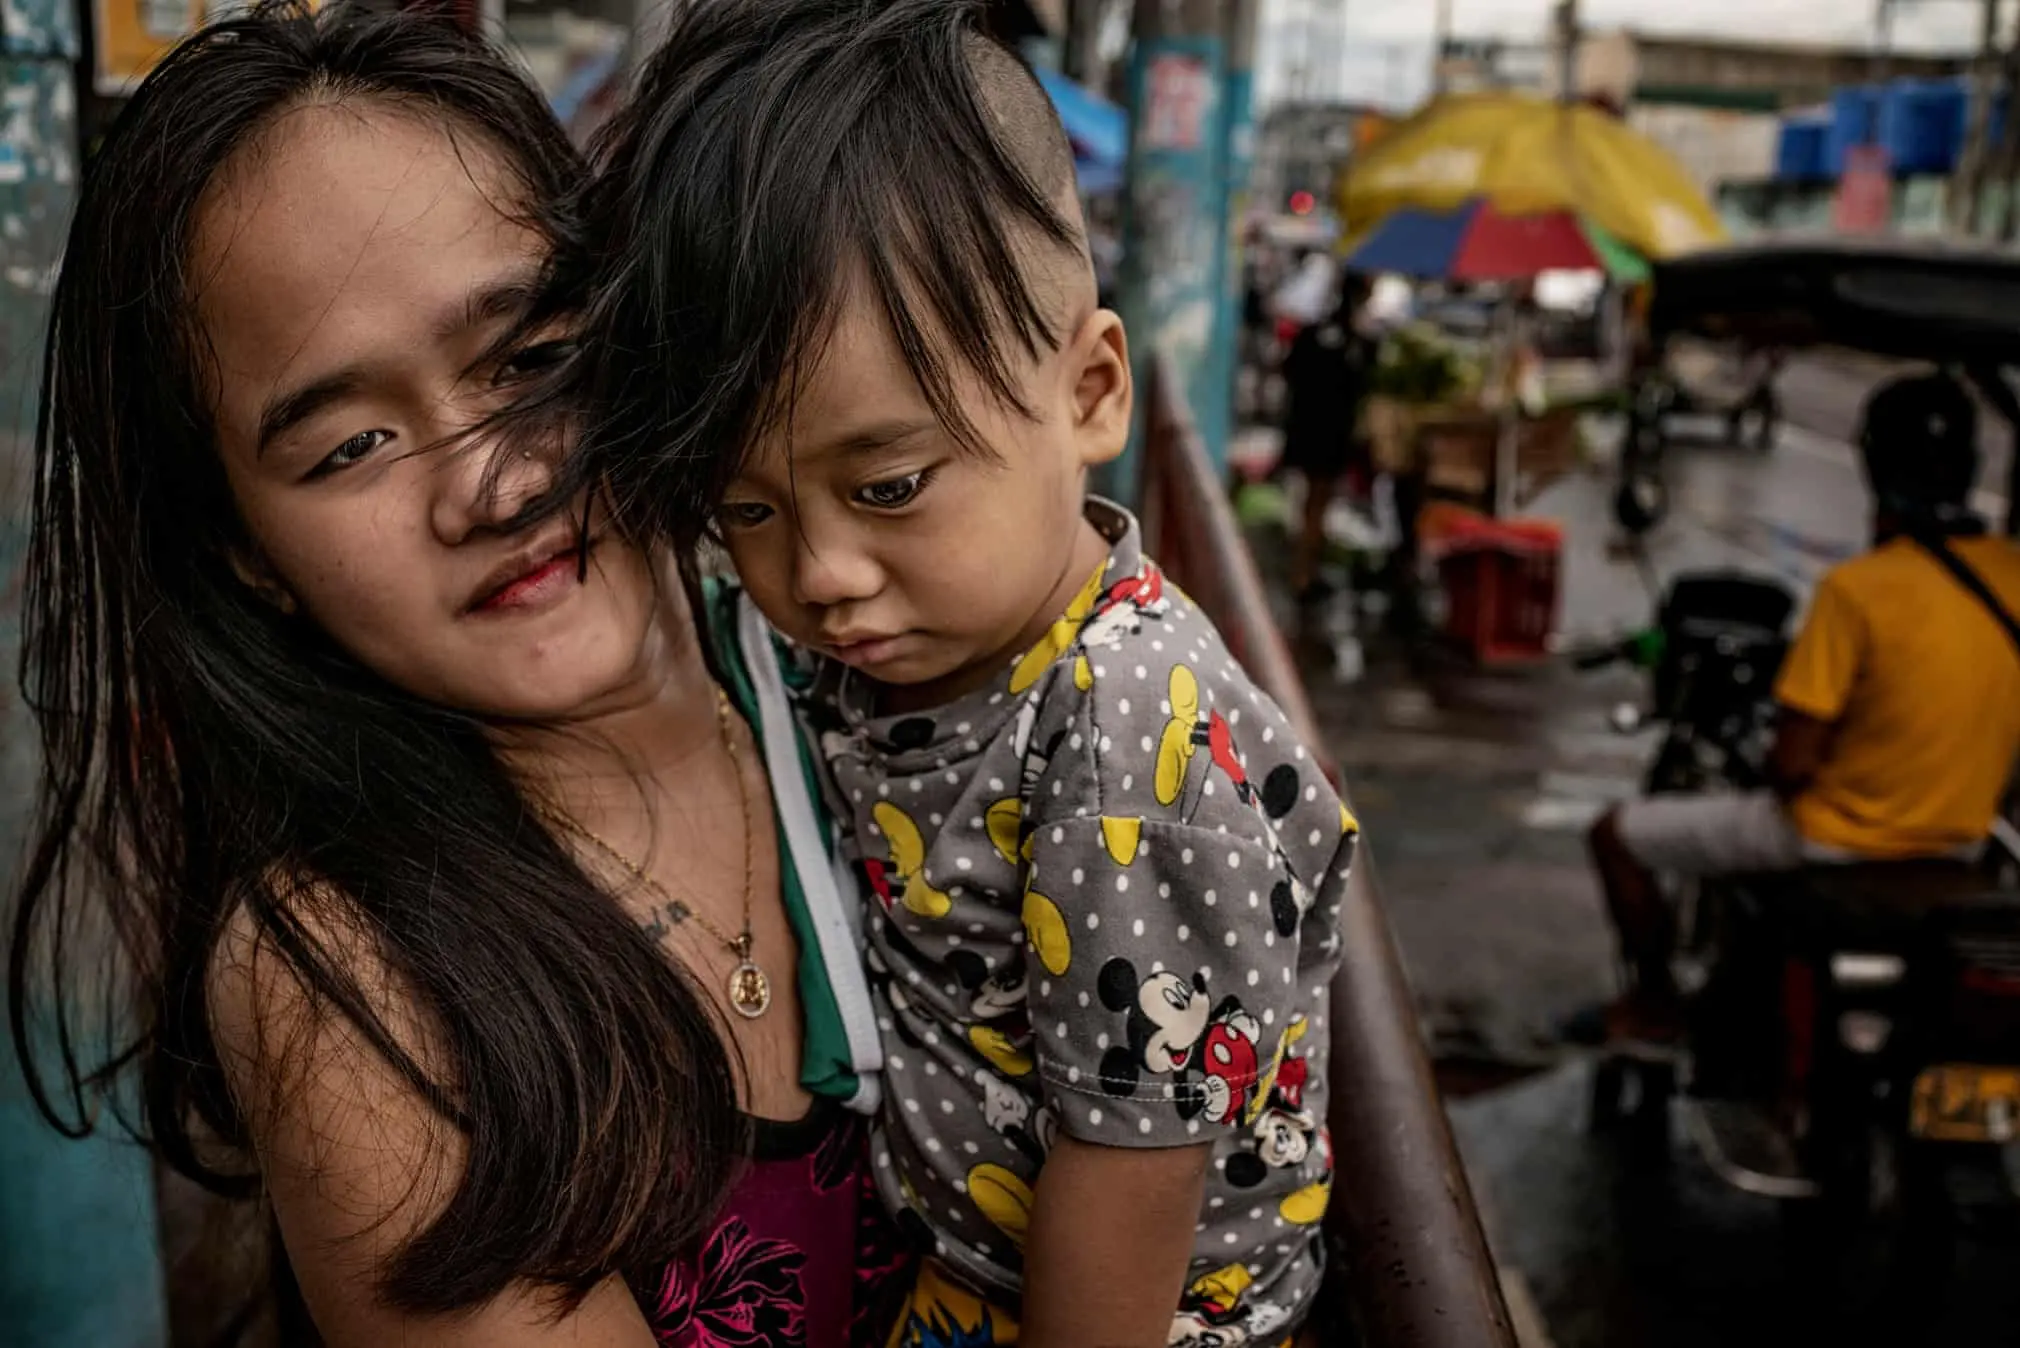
(206, 755)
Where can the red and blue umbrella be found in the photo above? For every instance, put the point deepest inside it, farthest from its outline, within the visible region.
(1479, 243)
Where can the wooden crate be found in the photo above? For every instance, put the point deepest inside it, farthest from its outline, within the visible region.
(1460, 455)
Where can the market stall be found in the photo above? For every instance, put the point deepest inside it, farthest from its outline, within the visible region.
(1491, 192)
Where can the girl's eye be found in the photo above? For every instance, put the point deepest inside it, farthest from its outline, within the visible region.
(744, 514)
(533, 359)
(351, 451)
(898, 491)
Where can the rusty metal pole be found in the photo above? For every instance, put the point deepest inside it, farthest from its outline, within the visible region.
(1441, 42)
(1413, 1265)
(2007, 170)
(1402, 1210)
(1568, 30)
(1968, 185)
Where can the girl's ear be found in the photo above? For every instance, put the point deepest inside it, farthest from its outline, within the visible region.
(258, 577)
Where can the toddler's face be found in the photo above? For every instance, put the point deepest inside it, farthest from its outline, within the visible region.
(865, 530)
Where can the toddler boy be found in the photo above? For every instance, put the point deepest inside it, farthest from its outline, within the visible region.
(852, 301)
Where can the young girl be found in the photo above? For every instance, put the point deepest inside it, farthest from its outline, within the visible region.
(451, 912)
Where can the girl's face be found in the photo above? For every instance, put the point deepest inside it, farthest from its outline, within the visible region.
(353, 270)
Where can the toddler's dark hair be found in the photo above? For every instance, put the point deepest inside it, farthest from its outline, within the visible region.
(772, 151)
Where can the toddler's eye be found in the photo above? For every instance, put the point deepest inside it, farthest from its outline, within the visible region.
(743, 514)
(896, 492)
(351, 451)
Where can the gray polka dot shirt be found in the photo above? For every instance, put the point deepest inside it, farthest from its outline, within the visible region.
(1105, 892)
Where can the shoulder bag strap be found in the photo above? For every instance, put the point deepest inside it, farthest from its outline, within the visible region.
(1947, 558)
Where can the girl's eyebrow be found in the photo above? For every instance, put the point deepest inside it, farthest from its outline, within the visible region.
(288, 410)
(506, 297)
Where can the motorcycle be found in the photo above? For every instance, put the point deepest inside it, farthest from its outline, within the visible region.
(1852, 1042)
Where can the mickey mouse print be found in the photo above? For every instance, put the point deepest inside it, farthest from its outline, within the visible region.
(1105, 891)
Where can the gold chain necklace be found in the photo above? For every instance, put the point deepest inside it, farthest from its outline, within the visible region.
(750, 990)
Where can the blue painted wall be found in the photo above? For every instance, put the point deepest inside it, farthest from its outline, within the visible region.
(79, 1255)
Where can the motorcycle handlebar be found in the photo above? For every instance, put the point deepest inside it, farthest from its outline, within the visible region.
(1587, 661)
(1643, 649)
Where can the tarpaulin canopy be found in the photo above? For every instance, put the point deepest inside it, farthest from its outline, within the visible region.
(1527, 156)
(1098, 129)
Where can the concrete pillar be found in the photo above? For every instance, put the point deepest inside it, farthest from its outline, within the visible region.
(1175, 204)
(1213, 404)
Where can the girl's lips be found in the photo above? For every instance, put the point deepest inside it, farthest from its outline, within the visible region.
(537, 588)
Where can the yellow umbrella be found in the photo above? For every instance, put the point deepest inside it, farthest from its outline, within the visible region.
(1528, 155)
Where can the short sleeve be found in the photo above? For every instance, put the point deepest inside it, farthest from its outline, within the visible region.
(1166, 959)
(1820, 672)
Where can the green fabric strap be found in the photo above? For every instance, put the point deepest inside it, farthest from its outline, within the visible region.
(826, 1068)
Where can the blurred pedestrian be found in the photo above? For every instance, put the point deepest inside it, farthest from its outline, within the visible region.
(1328, 373)
(1307, 289)
(1257, 347)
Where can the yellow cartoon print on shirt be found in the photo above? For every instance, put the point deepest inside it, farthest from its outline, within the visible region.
(1059, 637)
(1122, 838)
(1175, 748)
(1097, 619)
(1001, 1050)
(1004, 822)
(1210, 1309)
(1045, 929)
(908, 860)
(1004, 1199)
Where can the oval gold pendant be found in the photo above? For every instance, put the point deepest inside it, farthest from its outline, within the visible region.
(750, 992)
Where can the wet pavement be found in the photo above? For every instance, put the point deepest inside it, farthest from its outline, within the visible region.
(1476, 788)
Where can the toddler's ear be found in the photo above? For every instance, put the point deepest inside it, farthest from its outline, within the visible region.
(1104, 392)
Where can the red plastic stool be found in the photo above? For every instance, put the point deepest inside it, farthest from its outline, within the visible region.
(1501, 580)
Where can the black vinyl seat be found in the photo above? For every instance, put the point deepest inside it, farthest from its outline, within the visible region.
(1884, 906)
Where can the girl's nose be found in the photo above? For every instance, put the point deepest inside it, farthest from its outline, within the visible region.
(485, 483)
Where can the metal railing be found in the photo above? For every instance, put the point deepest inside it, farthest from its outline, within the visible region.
(1417, 1270)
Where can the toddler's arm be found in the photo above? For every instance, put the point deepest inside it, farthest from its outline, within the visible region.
(1174, 845)
(1111, 1234)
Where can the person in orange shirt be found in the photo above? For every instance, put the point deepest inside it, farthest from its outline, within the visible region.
(1899, 705)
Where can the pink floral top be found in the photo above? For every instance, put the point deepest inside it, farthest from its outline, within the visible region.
(801, 1256)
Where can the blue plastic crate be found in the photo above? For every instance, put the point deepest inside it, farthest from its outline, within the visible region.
(1855, 114)
(1922, 124)
(1799, 156)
